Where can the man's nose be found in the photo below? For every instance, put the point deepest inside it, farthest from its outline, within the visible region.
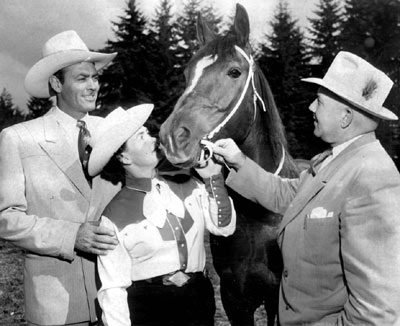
(313, 106)
(93, 83)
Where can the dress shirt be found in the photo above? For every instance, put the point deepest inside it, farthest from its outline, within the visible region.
(336, 151)
(160, 226)
(68, 124)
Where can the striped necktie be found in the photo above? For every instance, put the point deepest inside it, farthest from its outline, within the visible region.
(84, 148)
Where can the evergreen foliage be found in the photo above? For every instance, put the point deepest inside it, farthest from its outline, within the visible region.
(38, 107)
(325, 32)
(372, 31)
(132, 74)
(284, 60)
(9, 113)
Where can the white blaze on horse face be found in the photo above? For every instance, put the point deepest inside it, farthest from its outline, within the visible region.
(200, 66)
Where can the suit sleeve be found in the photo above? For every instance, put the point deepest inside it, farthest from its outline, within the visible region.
(115, 276)
(42, 235)
(262, 187)
(370, 242)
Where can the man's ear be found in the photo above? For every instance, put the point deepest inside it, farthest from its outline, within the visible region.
(55, 84)
(347, 117)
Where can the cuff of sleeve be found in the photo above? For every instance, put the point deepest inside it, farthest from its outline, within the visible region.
(67, 250)
(215, 186)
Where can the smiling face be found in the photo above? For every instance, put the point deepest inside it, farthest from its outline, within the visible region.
(328, 116)
(77, 94)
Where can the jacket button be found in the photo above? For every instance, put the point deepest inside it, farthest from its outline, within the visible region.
(285, 273)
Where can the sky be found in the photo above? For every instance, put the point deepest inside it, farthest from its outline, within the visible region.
(25, 25)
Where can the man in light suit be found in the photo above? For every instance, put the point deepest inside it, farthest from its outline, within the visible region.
(44, 194)
(340, 233)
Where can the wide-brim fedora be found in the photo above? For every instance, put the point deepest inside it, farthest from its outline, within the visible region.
(60, 51)
(359, 83)
(113, 131)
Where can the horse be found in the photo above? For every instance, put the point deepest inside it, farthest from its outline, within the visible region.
(227, 96)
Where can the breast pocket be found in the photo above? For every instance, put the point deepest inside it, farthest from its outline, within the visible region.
(142, 239)
(321, 238)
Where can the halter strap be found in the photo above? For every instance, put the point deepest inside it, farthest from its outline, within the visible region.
(250, 77)
(256, 96)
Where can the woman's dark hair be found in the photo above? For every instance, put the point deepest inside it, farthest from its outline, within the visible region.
(114, 171)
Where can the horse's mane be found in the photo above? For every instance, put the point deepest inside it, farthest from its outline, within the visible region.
(272, 120)
(224, 47)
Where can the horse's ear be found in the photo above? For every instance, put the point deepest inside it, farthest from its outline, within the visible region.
(204, 32)
(241, 25)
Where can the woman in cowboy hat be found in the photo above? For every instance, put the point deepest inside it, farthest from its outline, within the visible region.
(340, 233)
(155, 276)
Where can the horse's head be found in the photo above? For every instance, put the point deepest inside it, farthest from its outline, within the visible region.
(217, 80)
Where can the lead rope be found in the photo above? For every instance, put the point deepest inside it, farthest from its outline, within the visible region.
(250, 77)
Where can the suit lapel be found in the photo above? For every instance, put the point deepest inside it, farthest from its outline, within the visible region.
(311, 186)
(59, 150)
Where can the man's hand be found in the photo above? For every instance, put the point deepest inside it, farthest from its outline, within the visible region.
(209, 169)
(95, 239)
(226, 150)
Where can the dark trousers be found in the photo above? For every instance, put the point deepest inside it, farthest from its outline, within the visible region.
(153, 304)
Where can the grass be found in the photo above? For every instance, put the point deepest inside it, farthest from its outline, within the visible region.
(11, 292)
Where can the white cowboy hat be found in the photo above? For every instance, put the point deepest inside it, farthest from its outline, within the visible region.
(359, 83)
(62, 50)
(114, 130)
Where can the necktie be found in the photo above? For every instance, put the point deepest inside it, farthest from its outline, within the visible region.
(84, 148)
(317, 160)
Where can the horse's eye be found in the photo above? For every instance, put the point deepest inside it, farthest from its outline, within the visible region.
(234, 73)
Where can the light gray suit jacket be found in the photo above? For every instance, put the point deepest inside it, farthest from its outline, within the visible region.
(44, 197)
(340, 237)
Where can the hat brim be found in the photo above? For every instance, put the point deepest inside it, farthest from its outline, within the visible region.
(113, 131)
(383, 113)
(37, 78)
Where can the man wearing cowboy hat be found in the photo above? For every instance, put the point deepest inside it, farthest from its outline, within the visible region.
(340, 231)
(44, 194)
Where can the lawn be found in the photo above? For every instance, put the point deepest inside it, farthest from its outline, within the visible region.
(11, 295)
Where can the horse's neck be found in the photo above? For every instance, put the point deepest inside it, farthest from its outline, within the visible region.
(258, 148)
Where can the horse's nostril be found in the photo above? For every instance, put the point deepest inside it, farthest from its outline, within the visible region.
(182, 134)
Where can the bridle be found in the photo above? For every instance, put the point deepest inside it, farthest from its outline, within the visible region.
(207, 144)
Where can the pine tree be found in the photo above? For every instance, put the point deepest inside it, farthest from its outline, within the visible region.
(169, 77)
(38, 107)
(130, 79)
(325, 30)
(372, 31)
(9, 113)
(187, 27)
(284, 62)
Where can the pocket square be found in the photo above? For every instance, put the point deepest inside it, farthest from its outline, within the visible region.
(320, 212)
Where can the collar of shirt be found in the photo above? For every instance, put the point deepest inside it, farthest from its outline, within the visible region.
(159, 200)
(340, 148)
(138, 184)
(336, 151)
(68, 124)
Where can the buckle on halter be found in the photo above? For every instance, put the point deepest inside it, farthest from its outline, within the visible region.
(206, 152)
